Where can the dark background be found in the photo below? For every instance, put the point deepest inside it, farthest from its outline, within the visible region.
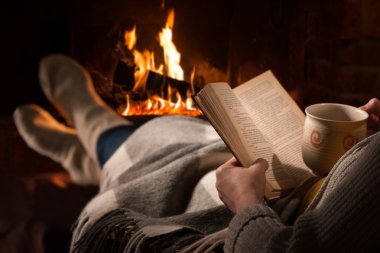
(30, 30)
(35, 213)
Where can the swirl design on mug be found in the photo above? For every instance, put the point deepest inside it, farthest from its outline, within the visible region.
(316, 139)
(348, 142)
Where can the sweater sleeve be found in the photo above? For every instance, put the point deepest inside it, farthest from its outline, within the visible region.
(344, 218)
(250, 230)
(341, 226)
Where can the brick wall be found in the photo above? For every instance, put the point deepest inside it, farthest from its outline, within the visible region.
(321, 50)
(335, 49)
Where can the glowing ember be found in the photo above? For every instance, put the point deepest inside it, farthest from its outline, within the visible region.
(158, 104)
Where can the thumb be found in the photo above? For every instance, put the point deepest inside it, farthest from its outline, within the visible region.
(260, 163)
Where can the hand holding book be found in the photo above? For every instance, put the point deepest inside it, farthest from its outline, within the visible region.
(258, 119)
(240, 188)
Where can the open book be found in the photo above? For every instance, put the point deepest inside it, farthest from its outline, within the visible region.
(258, 119)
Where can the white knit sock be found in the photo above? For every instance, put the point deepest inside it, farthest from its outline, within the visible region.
(45, 135)
(70, 89)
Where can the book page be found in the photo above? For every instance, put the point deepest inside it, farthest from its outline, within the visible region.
(233, 123)
(230, 119)
(281, 122)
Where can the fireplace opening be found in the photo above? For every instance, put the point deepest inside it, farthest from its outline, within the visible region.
(141, 70)
(320, 50)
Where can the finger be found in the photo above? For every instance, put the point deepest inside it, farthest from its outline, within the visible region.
(232, 163)
(260, 163)
(373, 106)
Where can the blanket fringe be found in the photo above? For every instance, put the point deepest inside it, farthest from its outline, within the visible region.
(110, 233)
(121, 231)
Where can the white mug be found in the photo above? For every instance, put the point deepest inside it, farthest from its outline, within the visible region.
(329, 131)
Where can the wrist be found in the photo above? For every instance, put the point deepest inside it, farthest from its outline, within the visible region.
(246, 201)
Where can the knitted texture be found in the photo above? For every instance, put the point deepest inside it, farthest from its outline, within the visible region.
(48, 137)
(69, 87)
(344, 216)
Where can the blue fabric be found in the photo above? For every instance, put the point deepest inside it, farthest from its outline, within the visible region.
(111, 140)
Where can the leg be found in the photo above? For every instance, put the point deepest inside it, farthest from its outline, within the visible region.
(110, 140)
(69, 87)
(48, 137)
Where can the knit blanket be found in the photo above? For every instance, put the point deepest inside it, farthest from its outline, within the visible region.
(157, 192)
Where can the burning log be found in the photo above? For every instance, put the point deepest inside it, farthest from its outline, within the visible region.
(156, 90)
(161, 84)
(153, 83)
(160, 95)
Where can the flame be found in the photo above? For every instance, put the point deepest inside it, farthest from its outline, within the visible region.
(192, 77)
(172, 57)
(157, 105)
(130, 38)
(145, 62)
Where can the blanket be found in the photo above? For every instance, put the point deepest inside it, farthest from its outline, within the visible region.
(157, 192)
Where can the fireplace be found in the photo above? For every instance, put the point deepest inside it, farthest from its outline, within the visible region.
(110, 62)
(320, 50)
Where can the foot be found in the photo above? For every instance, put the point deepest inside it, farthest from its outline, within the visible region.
(48, 137)
(70, 89)
(67, 85)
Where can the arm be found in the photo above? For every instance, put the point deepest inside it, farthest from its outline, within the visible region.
(343, 218)
(242, 191)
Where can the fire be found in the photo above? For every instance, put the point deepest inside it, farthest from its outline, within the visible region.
(130, 38)
(171, 56)
(158, 104)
